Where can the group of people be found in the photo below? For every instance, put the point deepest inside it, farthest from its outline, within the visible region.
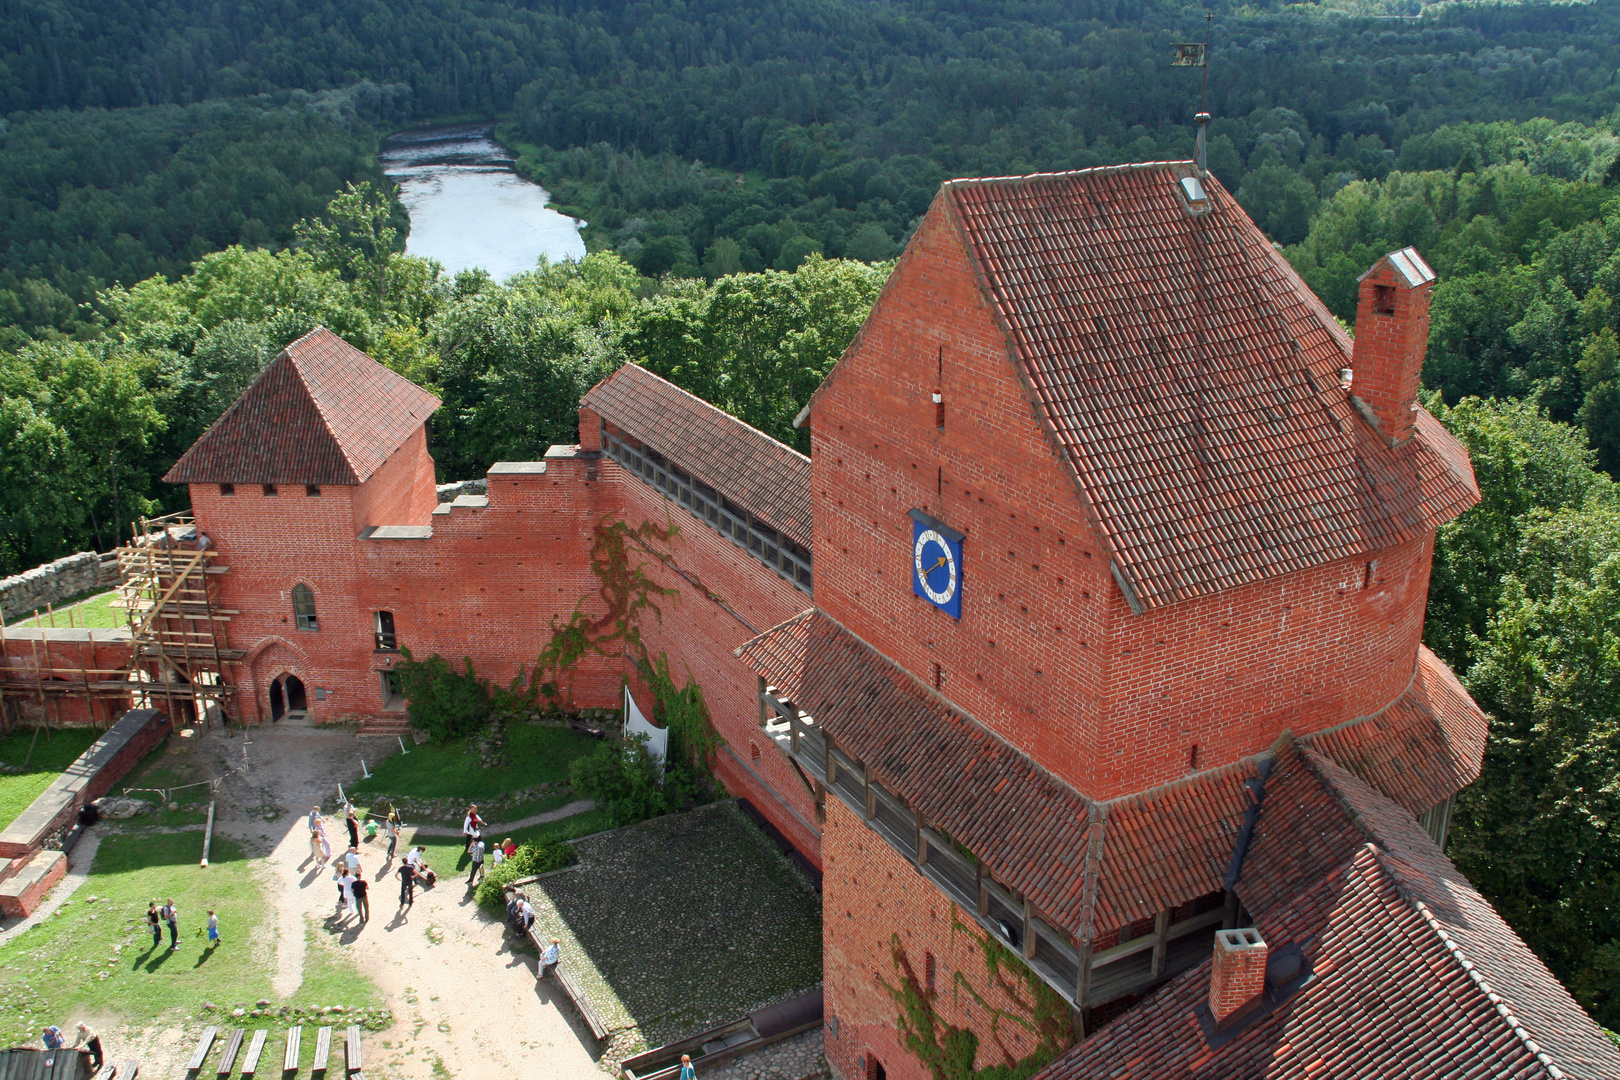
(89, 1038)
(157, 917)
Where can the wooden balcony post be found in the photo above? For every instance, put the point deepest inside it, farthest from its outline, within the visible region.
(762, 701)
(1029, 929)
(1161, 924)
(922, 838)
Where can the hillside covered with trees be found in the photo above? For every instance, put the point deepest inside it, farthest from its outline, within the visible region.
(184, 188)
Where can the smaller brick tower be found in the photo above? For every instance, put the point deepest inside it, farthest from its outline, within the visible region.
(324, 445)
(1392, 330)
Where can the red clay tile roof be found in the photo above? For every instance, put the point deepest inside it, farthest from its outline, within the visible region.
(747, 466)
(1420, 751)
(1191, 378)
(1030, 829)
(322, 412)
(1090, 867)
(1415, 974)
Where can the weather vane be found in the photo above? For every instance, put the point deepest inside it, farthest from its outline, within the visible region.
(1196, 54)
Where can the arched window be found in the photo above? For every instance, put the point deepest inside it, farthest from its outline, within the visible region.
(304, 607)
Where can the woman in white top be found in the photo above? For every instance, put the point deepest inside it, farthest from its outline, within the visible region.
(345, 885)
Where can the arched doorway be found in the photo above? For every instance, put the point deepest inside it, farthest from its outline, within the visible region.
(296, 702)
(278, 701)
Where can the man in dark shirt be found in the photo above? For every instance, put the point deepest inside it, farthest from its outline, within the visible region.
(407, 883)
(361, 904)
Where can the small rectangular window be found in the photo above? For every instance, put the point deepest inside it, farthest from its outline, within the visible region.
(227, 489)
(383, 624)
(313, 491)
(269, 489)
(928, 972)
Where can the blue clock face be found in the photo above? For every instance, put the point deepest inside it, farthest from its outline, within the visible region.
(936, 560)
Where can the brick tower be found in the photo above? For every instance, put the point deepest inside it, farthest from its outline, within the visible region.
(1118, 614)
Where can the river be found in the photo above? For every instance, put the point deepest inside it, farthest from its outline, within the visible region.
(469, 207)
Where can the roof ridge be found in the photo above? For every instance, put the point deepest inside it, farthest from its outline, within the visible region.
(1094, 170)
(314, 398)
(1455, 951)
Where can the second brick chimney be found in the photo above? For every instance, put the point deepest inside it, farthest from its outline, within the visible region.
(1238, 975)
(1392, 331)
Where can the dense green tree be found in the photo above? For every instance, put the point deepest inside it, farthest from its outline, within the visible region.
(758, 345)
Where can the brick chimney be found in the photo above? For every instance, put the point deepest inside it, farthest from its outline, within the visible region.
(1239, 973)
(1392, 331)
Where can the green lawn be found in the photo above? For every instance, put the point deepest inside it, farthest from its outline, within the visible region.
(534, 755)
(94, 956)
(53, 752)
(91, 611)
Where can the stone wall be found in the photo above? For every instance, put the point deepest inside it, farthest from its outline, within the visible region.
(448, 492)
(56, 581)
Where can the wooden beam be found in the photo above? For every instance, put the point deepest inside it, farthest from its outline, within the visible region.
(1029, 929)
(1161, 928)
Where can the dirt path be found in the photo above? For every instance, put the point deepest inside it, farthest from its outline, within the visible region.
(461, 1001)
(578, 806)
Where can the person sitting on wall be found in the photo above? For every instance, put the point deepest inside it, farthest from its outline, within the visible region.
(550, 958)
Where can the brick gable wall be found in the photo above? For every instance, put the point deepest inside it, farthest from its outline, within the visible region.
(1048, 652)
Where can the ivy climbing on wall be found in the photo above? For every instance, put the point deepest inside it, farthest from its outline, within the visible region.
(628, 596)
(948, 1051)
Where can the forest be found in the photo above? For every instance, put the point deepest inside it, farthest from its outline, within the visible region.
(184, 188)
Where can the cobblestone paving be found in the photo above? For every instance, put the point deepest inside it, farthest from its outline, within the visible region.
(682, 923)
(791, 1059)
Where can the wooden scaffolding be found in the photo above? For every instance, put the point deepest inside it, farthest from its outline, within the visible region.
(180, 647)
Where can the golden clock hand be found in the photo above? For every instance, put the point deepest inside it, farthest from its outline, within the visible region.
(936, 566)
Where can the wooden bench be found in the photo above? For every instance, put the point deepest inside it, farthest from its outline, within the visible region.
(132, 1068)
(204, 1044)
(251, 1064)
(351, 1052)
(295, 1043)
(233, 1046)
(323, 1049)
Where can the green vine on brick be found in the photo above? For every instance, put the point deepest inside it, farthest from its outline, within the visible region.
(627, 593)
(948, 1051)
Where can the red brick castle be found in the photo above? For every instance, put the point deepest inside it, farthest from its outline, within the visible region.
(1083, 654)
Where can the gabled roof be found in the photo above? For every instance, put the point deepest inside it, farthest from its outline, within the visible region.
(767, 478)
(1191, 380)
(1414, 973)
(322, 412)
(1091, 866)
